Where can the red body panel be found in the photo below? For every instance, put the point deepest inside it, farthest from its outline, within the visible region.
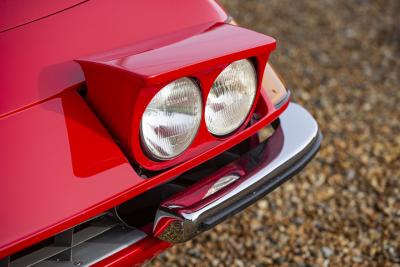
(16, 13)
(37, 58)
(58, 164)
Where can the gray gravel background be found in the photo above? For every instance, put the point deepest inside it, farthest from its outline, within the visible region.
(342, 60)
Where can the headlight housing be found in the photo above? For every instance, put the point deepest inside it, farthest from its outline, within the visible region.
(171, 119)
(231, 98)
(122, 82)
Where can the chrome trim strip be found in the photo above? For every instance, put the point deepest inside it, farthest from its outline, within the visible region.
(294, 142)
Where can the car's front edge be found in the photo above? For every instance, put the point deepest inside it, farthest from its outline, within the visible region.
(144, 143)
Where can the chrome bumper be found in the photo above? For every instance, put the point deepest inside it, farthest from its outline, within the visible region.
(236, 186)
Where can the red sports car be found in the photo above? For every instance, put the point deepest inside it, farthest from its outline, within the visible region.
(128, 126)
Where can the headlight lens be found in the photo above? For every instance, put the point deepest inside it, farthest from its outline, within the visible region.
(171, 120)
(231, 98)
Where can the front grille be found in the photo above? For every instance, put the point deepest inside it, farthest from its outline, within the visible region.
(82, 245)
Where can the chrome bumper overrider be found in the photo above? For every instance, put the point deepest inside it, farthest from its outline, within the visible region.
(236, 186)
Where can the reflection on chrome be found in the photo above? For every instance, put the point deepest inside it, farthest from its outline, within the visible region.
(222, 183)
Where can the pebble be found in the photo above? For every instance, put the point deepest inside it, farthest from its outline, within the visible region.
(327, 252)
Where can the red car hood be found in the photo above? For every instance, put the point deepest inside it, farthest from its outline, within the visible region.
(58, 164)
(16, 13)
(37, 58)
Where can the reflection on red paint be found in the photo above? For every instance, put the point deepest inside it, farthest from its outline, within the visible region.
(92, 148)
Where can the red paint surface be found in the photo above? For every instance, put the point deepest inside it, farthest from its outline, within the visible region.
(15, 13)
(37, 58)
(121, 86)
(57, 162)
(59, 166)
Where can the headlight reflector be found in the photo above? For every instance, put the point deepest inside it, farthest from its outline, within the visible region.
(231, 98)
(171, 119)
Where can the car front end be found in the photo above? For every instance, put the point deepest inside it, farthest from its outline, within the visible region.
(123, 134)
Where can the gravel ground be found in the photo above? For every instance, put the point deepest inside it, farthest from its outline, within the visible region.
(342, 60)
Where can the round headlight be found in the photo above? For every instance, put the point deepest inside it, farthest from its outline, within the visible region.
(231, 98)
(171, 119)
